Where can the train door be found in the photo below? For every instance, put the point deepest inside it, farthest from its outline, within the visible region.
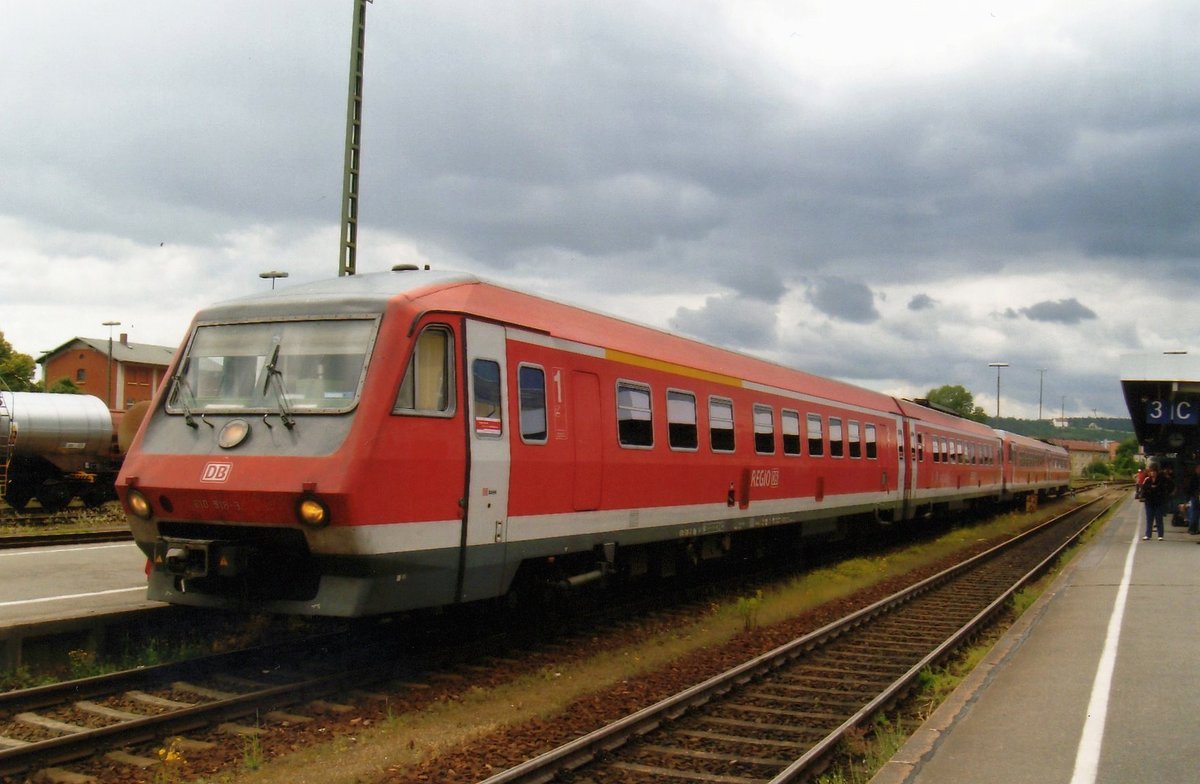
(586, 427)
(486, 517)
(914, 455)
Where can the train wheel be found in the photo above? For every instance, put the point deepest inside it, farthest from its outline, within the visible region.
(93, 498)
(54, 495)
(18, 495)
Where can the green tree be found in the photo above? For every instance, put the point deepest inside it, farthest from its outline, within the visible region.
(1126, 461)
(65, 386)
(16, 369)
(956, 398)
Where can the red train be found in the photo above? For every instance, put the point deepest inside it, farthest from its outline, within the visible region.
(411, 439)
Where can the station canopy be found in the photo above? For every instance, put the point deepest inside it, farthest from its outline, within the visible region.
(1162, 393)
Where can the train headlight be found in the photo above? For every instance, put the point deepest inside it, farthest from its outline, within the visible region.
(312, 512)
(234, 433)
(139, 505)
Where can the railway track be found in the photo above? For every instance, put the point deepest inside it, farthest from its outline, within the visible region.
(779, 717)
(51, 725)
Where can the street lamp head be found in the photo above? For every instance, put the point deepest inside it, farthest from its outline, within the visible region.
(997, 364)
(110, 323)
(272, 274)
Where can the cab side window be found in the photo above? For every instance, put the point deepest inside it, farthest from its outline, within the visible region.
(428, 385)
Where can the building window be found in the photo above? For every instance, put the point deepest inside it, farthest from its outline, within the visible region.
(81, 375)
(681, 420)
(635, 424)
(720, 424)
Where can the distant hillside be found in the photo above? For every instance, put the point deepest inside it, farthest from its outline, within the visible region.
(1080, 428)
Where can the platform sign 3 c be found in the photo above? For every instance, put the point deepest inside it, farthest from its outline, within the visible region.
(1173, 412)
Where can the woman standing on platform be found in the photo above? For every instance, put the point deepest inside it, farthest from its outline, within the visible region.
(1154, 496)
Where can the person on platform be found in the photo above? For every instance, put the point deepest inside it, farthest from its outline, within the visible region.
(1193, 501)
(1155, 497)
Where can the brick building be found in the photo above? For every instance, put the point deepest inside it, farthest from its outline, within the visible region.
(1084, 453)
(137, 368)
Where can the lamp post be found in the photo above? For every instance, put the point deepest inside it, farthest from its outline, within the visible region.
(1041, 381)
(998, 365)
(272, 274)
(108, 393)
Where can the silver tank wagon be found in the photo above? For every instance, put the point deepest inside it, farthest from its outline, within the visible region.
(54, 447)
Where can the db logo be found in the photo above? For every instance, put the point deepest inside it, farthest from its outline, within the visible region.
(216, 472)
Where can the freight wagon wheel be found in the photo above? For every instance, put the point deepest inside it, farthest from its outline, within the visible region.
(54, 495)
(18, 495)
(92, 498)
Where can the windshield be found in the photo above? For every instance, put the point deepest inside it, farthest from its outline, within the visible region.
(316, 366)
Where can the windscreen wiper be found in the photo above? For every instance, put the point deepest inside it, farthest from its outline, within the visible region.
(275, 373)
(182, 387)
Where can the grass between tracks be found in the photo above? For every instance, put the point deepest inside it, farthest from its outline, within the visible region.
(404, 740)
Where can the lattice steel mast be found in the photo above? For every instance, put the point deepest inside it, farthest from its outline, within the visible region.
(346, 260)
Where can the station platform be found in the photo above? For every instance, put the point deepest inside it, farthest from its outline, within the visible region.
(1098, 681)
(61, 580)
(67, 597)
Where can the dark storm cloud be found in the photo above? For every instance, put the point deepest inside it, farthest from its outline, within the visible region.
(843, 299)
(922, 302)
(1063, 311)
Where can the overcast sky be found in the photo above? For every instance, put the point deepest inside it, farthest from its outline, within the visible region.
(894, 194)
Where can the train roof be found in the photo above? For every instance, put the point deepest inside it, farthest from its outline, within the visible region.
(464, 293)
(915, 410)
(1029, 441)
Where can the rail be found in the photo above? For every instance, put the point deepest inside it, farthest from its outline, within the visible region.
(673, 735)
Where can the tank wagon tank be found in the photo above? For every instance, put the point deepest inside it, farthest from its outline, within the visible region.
(408, 439)
(56, 447)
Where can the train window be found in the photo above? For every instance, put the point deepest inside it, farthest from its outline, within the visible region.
(681, 420)
(855, 439)
(428, 382)
(937, 449)
(790, 425)
(920, 447)
(635, 425)
(312, 366)
(764, 429)
(961, 452)
(816, 436)
(872, 449)
(837, 447)
(720, 424)
(485, 381)
(531, 393)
